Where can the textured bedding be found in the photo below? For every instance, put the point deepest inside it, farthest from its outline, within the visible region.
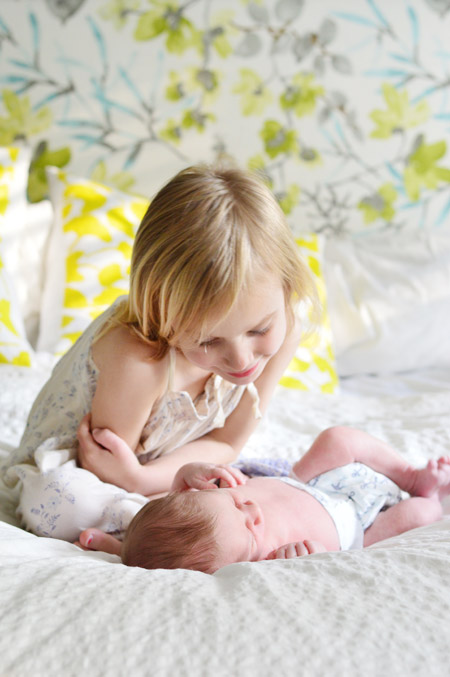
(382, 610)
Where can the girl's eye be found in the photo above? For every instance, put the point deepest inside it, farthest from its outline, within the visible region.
(260, 332)
(205, 344)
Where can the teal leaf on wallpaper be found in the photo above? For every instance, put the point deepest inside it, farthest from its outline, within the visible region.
(400, 57)
(89, 140)
(99, 40)
(376, 10)
(13, 79)
(414, 25)
(67, 122)
(109, 104)
(130, 84)
(386, 73)
(34, 31)
(22, 64)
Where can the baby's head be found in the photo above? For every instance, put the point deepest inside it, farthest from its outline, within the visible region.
(208, 234)
(173, 532)
(201, 530)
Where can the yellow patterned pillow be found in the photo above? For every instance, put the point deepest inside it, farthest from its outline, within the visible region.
(313, 367)
(88, 257)
(14, 164)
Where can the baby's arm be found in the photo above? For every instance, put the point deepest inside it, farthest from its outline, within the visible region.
(298, 549)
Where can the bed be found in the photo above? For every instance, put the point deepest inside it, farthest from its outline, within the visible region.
(371, 218)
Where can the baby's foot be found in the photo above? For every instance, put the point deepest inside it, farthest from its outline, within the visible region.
(94, 539)
(433, 479)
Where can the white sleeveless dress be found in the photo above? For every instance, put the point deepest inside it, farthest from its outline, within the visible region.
(59, 499)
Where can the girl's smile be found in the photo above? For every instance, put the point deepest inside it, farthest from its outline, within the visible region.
(239, 346)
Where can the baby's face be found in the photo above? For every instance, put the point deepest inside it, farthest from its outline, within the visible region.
(239, 527)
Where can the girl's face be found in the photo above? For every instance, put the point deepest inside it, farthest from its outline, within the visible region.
(238, 347)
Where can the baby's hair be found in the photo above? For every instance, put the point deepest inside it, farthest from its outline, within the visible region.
(172, 532)
(205, 236)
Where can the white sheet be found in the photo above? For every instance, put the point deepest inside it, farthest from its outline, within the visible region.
(382, 610)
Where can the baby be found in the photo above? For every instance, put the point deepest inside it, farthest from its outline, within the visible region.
(345, 492)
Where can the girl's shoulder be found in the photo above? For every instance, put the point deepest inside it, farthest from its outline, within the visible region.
(121, 349)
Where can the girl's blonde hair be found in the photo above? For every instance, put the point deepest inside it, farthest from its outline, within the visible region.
(205, 236)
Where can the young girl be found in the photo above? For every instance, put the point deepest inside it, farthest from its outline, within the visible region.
(184, 364)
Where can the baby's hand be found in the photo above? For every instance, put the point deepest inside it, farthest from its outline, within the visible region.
(199, 476)
(298, 549)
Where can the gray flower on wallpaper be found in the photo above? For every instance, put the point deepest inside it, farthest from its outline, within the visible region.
(64, 9)
(439, 6)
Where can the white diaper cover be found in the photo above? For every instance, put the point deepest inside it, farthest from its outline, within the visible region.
(353, 495)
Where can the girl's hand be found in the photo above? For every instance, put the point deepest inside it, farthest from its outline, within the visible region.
(199, 476)
(298, 549)
(107, 456)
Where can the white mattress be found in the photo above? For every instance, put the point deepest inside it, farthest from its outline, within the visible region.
(384, 610)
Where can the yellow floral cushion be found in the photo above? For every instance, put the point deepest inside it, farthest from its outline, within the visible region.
(14, 164)
(88, 256)
(313, 367)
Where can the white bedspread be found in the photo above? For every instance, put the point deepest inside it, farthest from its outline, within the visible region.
(384, 610)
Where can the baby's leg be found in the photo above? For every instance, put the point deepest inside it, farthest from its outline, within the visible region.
(409, 514)
(340, 445)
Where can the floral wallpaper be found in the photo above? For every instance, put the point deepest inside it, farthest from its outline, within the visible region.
(342, 105)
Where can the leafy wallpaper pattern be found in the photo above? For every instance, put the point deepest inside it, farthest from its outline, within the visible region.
(342, 105)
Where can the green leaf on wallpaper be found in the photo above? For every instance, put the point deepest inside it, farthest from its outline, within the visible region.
(172, 131)
(121, 180)
(422, 170)
(118, 11)
(42, 158)
(222, 45)
(289, 199)
(301, 96)
(181, 33)
(255, 96)
(379, 205)
(21, 121)
(196, 119)
(175, 89)
(277, 139)
(400, 114)
(150, 25)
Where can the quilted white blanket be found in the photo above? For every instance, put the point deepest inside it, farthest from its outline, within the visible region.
(384, 610)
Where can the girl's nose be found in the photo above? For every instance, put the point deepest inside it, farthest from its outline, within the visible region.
(239, 356)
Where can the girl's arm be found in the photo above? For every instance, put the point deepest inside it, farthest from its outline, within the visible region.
(221, 445)
(128, 384)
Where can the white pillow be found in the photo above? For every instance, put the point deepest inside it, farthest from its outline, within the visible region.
(389, 300)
